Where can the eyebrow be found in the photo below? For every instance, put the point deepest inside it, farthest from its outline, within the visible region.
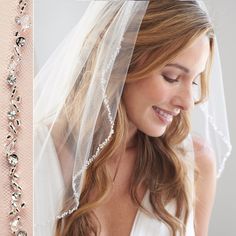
(186, 70)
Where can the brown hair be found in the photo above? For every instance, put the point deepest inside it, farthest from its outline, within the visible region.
(167, 28)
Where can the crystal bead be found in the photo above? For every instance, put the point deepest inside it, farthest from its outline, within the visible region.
(14, 204)
(21, 233)
(13, 159)
(16, 196)
(20, 41)
(24, 21)
(11, 79)
(16, 58)
(15, 224)
(9, 148)
(11, 115)
(13, 66)
(18, 20)
(14, 212)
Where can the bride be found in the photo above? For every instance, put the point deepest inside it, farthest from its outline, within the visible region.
(115, 148)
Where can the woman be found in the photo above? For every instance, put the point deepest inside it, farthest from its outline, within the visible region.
(113, 132)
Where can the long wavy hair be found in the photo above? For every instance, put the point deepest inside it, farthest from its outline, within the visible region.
(167, 28)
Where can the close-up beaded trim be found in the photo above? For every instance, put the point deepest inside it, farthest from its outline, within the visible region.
(22, 21)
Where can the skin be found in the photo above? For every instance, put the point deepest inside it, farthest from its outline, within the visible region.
(205, 185)
(169, 88)
(157, 90)
(172, 94)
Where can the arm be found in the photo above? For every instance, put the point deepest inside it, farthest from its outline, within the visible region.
(205, 185)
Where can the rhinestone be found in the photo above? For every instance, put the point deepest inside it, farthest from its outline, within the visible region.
(13, 159)
(11, 79)
(14, 212)
(16, 58)
(24, 21)
(15, 225)
(11, 115)
(18, 20)
(20, 42)
(9, 148)
(21, 233)
(14, 204)
(13, 66)
(16, 196)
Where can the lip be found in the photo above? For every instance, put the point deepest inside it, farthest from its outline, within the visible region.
(165, 116)
(166, 111)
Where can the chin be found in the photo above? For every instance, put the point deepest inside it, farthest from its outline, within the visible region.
(154, 131)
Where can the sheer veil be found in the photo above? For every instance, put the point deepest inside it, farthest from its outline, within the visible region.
(76, 134)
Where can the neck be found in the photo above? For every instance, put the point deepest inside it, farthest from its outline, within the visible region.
(131, 139)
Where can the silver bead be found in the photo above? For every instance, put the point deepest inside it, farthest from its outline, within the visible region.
(13, 159)
(16, 196)
(15, 224)
(11, 79)
(21, 233)
(11, 114)
(20, 41)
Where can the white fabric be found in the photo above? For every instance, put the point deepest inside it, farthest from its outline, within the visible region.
(48, 184)
(147, 225)
(48, 195)
(98, 88)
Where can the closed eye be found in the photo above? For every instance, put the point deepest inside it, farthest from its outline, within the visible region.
(169, 79)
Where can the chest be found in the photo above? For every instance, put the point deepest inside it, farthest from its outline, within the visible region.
(117, 215)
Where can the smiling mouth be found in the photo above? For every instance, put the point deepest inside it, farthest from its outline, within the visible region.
(165, 117)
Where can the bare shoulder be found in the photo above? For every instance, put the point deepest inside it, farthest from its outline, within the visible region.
(205, 158)
(205, 185)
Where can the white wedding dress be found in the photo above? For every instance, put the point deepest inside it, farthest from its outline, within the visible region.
(48, 193)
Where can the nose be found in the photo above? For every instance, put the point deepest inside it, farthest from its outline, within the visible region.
(183, 99)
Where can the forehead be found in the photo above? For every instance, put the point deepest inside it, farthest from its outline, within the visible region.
(195, 56)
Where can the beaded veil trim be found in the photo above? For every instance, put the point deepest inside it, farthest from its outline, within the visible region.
(22, 21)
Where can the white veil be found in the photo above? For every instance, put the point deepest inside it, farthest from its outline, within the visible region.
(67, 71)
(209, 120)
(77, 136)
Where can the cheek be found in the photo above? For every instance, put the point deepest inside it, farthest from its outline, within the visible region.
(150, 90)
(133, 99)
(155, 89)
(140, 96)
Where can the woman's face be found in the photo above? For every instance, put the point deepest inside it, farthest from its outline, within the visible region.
(151, 103)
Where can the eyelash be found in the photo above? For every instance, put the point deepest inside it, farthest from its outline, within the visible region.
(174, 80)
